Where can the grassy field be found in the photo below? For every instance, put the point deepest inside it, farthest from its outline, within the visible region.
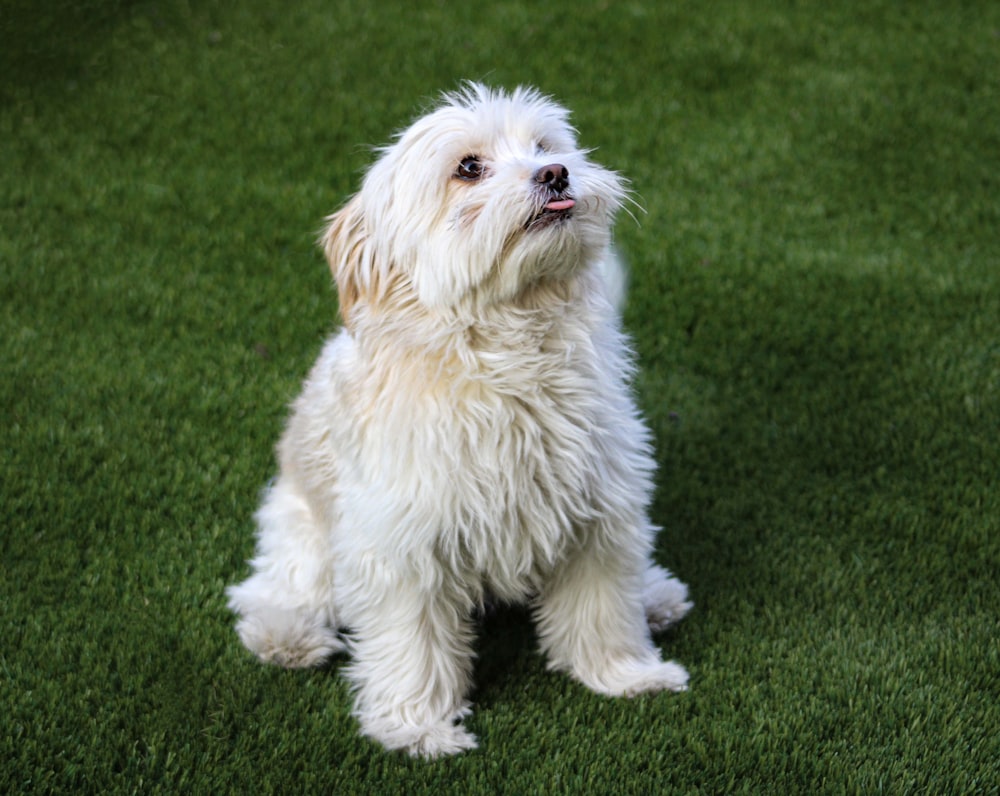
(816, 308)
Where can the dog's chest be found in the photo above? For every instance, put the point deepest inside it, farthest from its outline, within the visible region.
(525, 469)
(501, 458)
(511, 434)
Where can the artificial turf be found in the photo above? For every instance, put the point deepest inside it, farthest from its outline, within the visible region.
(815, 303)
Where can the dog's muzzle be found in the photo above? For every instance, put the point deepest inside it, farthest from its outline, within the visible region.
(557, 204)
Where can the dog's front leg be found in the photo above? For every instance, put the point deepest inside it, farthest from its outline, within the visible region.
(592, 624)
(412, 656)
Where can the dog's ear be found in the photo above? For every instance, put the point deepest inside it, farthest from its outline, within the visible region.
(345, 243)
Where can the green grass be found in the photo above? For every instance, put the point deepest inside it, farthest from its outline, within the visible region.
(815, 303)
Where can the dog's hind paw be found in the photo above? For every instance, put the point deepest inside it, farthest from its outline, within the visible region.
(664, 598)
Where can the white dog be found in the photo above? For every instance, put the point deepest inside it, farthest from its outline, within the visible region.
(469, 433)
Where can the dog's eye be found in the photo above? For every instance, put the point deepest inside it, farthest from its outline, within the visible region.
(470, 169)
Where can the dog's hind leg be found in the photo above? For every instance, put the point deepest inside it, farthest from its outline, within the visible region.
(285, 608)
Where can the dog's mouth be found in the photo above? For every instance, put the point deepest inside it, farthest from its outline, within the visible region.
(552, 212)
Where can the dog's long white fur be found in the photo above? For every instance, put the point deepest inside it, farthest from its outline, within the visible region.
(468, 434)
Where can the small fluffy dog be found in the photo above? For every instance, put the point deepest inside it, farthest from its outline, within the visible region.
(469, 434)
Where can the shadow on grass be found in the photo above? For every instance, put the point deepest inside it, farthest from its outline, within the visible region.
(786, 417)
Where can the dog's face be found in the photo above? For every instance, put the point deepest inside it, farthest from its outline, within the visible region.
(477, 200)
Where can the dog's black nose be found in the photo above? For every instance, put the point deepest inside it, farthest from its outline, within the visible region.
(555, 176)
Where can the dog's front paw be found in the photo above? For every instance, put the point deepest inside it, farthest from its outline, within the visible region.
(631, 677)
(429, 741)
(287, 638)
(663, 676)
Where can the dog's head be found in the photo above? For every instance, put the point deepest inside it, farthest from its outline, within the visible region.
(480, 198)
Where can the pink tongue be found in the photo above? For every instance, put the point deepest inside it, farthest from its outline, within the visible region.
(560, 204)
